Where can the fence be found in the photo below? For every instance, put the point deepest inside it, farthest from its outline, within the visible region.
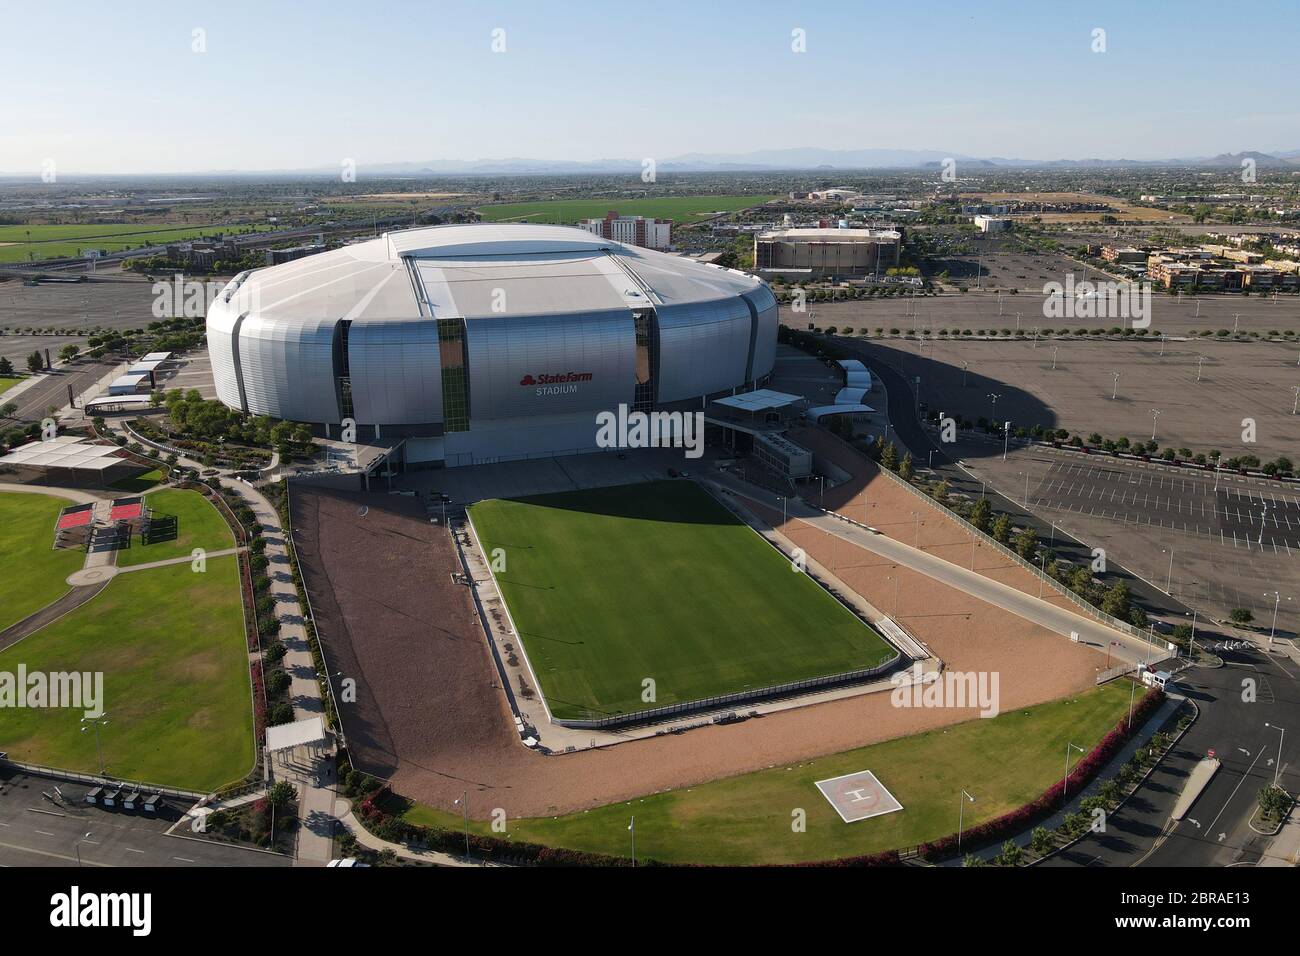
(56, 774)
(987, 539)
(723, 700)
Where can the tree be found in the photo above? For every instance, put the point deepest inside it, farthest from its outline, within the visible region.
(889, 457)
(1115, 602)
(8, 409)
(1011, 854)
(1026, 542)
(905, 469)
(69, 352)
(6, 367)
(1241, 615)
(1041, 840)
(282, 795)
(1002, 528)
(981, 514)
(35, 363)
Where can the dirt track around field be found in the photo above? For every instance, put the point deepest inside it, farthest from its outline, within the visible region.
(430, 712)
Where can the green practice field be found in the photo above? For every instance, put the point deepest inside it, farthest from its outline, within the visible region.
(611, 586)
(7, 383)
(196, 523)
(32, 570)
(57, 242)
(682, 210)
(1005, 761)
(170, 644)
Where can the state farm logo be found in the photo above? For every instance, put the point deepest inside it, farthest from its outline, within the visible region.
(565, 383)
(561, 379)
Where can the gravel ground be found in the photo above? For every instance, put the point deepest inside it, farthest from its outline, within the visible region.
(430, 703)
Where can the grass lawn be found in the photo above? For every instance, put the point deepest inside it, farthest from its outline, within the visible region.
(1005, 762)
(53, 242)
(139, 483)
(682, 210)
(198, 524)
(7, 383)
(170, 644)
(611, 586)
(32, 570)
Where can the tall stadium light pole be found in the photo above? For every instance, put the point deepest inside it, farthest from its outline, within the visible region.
(1006, 438)
(1200, 364)
(1055, 348)
(961, 814)
(96, 722)
(1065, 785)
(1277, 767)
(464, 806)
(1115, 390)
(632, 829)
(1155, 417)
(1131, 691)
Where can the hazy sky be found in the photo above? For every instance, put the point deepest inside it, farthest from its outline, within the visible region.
(116, 87)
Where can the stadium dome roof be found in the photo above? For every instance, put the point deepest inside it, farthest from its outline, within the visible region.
(476, 271)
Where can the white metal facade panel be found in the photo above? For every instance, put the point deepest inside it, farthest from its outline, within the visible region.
(396, 372)
(591, 358)
(288, 368)
(703, 347)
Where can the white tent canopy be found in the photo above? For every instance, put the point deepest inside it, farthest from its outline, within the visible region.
(301, 733)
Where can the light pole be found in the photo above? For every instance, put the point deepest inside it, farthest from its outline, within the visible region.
(96, 722)
(1006, 438)
(1115, 390)
(1131, 691)
(631, 828)
(1065, 784)
(1163, 336)
(87, 835)
(961, 813)
(1155, 417)
(993, 397)
(965, 366)
(1277, 768)
(1054, 350)
(463, 803)
(1200, 363)
(1169, 577)
(917, 516)
(1263, 521)
(1277, 601)
(1235, 317)
(1296, 403)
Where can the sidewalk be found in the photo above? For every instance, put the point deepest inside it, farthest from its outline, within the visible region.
(1140, 738)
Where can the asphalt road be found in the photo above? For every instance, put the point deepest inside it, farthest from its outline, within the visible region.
(35, 831)
(1215, 832)
(34, 402)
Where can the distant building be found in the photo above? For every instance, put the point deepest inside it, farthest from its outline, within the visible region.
(632, 230)
(992, 223)
(819, 253)
(276, 256)
(1123, 254)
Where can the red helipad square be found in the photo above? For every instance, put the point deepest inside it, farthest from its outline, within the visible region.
(858, 796)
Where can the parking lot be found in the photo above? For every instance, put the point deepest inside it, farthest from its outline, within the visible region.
(114, 300)
(40, 827)
(1170, 526)
(1252, 515)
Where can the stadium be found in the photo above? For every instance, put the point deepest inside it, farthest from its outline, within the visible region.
(482, 343)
